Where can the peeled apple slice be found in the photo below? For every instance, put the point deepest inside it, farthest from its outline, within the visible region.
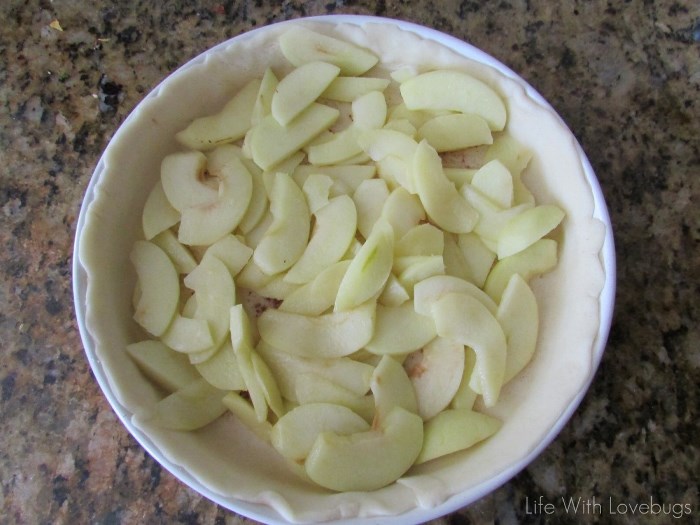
(158, 214)
(294, 433)
(495, 182)
(454, 91)
(453, 430)
(400, 330)
(207, 223)
(318, 295)
(538, 258)
(462, 318)
(330, 335)
(428, 291)
(271, 142)
(367, 460)
(159, 285)
(334, 229)
(286, 238)
(182, 175)
(192, 407)
(528, 227)
(436, 373)
(391, 388)
(443, 203)
(166, 368)
(347, 89)
(369, 270)
(455, 131)
(301, 45)
(228, 125)
(298, 89)
(518, 315)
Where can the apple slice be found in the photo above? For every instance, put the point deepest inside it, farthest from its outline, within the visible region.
(528, 227)
(455, 131)
(311, 387)
(453, 430)
(228, 125)
(245, 413)
(516, 158)
(369, 198)
(189, 336)
(348, 89)
(391, 388)
(344, 176)
(263, 99)
(381, 143)
(400, 330)
(369, 111)
(207, 223)
(158, 214)
(299, 88)
(518, 315)
(462, 318)
(271, 142)
(478, 258)
(215, 291)
(368, 460)
(334, 229)
(318, 295)
(159, 287)
(169, 370)
(436, 373)
(538, 258)
(300, 45)
(428, 291)
(182, 257)
(317, 189)
(403, 211)
(369, 270)
(231, 251)
(183, 177)
(454, 91)
(422, 239)
(287, 237)
(289, 368)
(416, 268)
(189, 408)
(222, 370)
(494, 181)
(443, 203)
(330, 335)
(465, 397)
(394, 293)
(294, 433)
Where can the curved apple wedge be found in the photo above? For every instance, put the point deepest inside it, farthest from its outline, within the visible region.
(369, 270)
(444, 204)
(294, 433)
(525, 229)
(159, 286)
(215, 292)
(318, 295)
(428, 291)
(207, 223)
(455, 91)
(330, 335)
(287, 236)
(228, 125)
(518, 315)
(400, 329)
(169, 370)
(158, 214)
(333, 232)
(367, 460)
(453, 430)
(300, 46)
(462, 318)
(182, 176)
(300, 88)
(391, 388)
(436, 374)
(189, 408)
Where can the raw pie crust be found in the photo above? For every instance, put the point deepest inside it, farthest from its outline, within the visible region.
(225, 457)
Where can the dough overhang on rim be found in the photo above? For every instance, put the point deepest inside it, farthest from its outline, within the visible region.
(225, 458)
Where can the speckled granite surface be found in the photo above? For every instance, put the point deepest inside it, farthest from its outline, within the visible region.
(624, 75)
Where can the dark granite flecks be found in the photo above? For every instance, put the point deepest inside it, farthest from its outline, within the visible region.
(625, 76)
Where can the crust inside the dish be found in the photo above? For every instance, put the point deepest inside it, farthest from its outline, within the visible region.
(227, 459)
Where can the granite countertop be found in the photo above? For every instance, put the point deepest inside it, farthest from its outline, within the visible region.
(625, 76)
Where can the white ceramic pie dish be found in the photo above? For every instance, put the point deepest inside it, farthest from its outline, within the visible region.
(576, 300)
